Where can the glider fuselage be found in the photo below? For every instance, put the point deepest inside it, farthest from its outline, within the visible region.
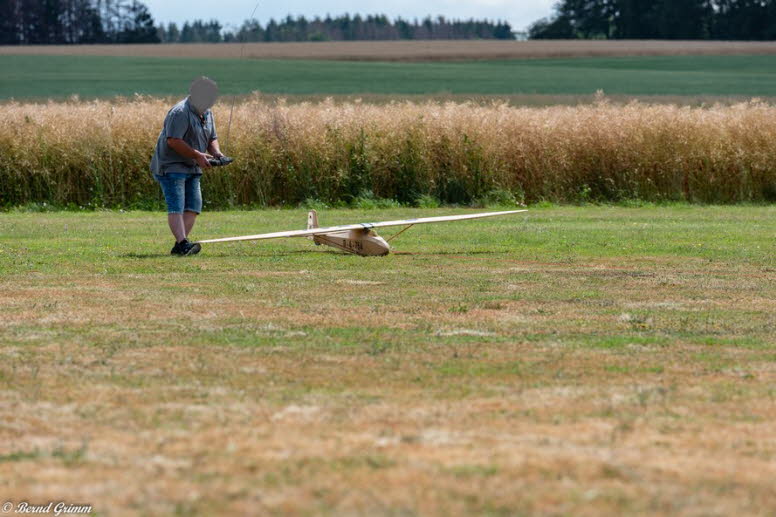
(359, 242)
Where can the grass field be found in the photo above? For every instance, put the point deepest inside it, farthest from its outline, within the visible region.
(30, 77)
(409, 50)
(576, 361)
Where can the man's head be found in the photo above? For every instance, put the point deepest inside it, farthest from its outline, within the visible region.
(203, 94)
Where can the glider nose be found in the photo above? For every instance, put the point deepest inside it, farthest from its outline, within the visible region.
(380, 245)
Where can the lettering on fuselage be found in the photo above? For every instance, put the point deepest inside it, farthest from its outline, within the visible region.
(353, 245)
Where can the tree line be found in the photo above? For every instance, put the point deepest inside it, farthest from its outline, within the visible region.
(41, 22)
(339, 28)
(659, 19)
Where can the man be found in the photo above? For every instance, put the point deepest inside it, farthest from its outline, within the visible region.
(187, 141)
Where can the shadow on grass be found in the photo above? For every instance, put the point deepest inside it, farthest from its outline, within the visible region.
(223, 254)
(264, 254)
(143, 255)
(449, 253)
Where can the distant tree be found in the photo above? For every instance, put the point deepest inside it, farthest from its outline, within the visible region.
(687, 19)
(251, 30)
(137, 25)
(503, 31)
(405, 29)
(271, 33)
(9, 22)
(173, 33)
(35, 22)
(744, 20)
(208, 32)
(82, 22)
(559, 27)
(49, 22)
(187, 34)
(634, 19)
(112, 15)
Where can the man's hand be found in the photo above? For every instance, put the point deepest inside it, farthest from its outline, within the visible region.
(183, 149)
(202, 160)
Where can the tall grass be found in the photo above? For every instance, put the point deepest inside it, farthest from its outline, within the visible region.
(97, 153)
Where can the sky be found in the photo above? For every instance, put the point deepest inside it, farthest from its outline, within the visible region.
(519, 13)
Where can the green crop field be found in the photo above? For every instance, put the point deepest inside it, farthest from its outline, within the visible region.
(28, 77)
(570, 361)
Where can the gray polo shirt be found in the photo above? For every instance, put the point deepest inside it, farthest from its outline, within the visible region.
(184, 123)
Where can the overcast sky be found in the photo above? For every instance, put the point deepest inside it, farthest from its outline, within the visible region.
(520, 13)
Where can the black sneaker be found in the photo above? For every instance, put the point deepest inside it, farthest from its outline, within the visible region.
(185, 247)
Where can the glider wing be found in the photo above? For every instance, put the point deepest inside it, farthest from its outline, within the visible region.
(361, 226)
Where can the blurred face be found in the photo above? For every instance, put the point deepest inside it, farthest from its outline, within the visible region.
(203, 94)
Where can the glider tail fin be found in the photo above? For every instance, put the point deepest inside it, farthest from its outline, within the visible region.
(312, 220)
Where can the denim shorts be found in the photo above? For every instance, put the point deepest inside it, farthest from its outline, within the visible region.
(181, 191)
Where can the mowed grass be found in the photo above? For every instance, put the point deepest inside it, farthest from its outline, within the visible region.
(31, 77)
(571, 361)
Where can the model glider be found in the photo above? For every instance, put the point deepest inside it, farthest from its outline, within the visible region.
(359, 239)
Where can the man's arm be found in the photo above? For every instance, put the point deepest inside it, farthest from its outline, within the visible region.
(185, 150)
(215, 149)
